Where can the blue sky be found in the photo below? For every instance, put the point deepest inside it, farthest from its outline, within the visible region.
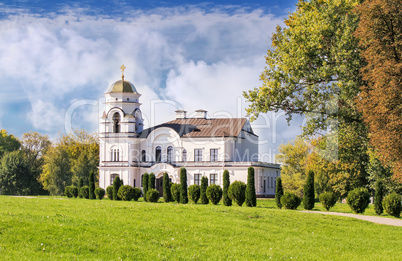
(57, 60)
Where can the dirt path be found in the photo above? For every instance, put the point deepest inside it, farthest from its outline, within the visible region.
(378, 220)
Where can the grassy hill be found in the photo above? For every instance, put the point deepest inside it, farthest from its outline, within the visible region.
(46, 228)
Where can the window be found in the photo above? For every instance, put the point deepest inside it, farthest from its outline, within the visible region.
(170, 154)
(198, 155)
(158, 154)
(214, 155)
(184, 156)
(265, 185)
(197, 179)
(116, 122)
(213, 179)
(143, 156)
(272, 182)
(112, 177)
(114, 155)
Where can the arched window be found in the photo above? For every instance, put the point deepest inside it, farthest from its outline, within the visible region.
(170, 154)
(158, 154)
(112, 177)
(143, 156)
(184, 156)
(114, 155)
(116, 122)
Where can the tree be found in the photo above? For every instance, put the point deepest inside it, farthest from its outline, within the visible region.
(92, 185)
(183, 189)
(16, 177)
(151, 181)
(167, 195)
(237, 192)
(8, 143)
(116, 187)
(309, 197)
(380, 34)
(194, 192)
(378, 197)
(251, 197)
(226, 182)
(214, 193)
(278, 192)
(204, 185)
(175, 189)
(145, 179)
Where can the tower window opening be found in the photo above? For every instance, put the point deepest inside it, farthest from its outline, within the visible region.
(116, 122)
(170, 154)
(158, 154)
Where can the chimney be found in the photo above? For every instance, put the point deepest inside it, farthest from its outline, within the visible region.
(180, 114)
(200, 114)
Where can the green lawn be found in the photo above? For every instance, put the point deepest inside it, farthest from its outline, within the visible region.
(43, 228)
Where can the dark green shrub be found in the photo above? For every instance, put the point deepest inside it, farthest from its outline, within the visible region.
(214, 193)
(109, 192)
(290, 200)
(74, 191)
(152, 195)
(226, 182)
(99, 193)
(251, 197)
(378, 197)
(84, 191)
(278, 192)
(91, 185)
(183, 188)
(358, 199)
(116, 186)
(328, 199)
(204, 185)
(145, 179)
(151, 181)
(175, 189)
(167, 194)
(237, 192)
(392, 204)
(80, 185)
(126, 193)
(308, 191)
(194, 192)
(137, 194)
(68, 192)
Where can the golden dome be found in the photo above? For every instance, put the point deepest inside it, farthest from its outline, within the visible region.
(122, 87)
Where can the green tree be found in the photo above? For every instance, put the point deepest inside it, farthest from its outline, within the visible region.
(204, 185)
(16, 177)
(183, 189)
(251, 197)
(116, 187)
(378, 197)
(309, 197)
(214, 193)
(226, 182)
(145, 179)
(175, 189)
(194, 192)
(167, 195)
(8, 143)
(151, 181)
(278, 192)
(92, 185)
(237, 192)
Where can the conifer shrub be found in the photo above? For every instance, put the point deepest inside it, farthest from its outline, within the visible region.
(167, 194)
(126, 193)
(237, 192)
(175, 189)
(308, 191)
(214, 193)
(151, 181)
(290, 200)
(153, 195)
(183, 187)
(251, 197)
(226, 182)
(74, 191)
(328, 199)
(278, 192)
(378, 197)
(100, 193)
(137, 194)
(91, 185)
(68, 192)
(392, 204)
(194, 192)
(145, 179)
(109, 192)
(204, 185)
(116, 186)
(358, 199)
(80, 185)
(84, 191)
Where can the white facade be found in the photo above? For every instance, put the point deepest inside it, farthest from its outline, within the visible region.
(205, 147)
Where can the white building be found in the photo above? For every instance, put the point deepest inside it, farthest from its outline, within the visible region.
(204, 146)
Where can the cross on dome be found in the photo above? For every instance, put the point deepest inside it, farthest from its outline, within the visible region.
(122, 72)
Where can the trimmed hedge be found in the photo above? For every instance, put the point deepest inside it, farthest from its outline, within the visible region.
(204, 185)
(126, 193)
(226, 183)
(167, 194)
(74, 191)
(358, 199)
(137, 193)
(183, 187)
(100, 193)
(68, 192)
(378, 197)
(116, 187)
(84, 191)
(392, 204)
(175, 189)
(290, 200)
(151, 181)
(80, 185)
(91, 185)
(109, 192)
(237, 192)
(251, 197)
(214, 193)
(308, 192)
(153, 195)
(278, 192)
(194, 192)
(328, 199)
(145, 179)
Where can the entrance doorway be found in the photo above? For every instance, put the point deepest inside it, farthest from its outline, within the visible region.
(159, 186)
